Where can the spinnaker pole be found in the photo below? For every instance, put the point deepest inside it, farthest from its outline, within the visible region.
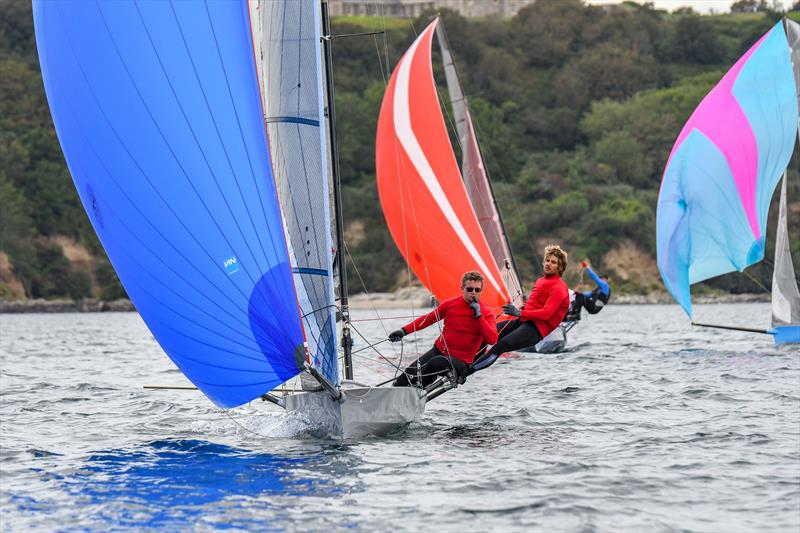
(734, 328)
(347, 341)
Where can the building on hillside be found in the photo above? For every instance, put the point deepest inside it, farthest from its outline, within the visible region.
(380, 8)
(414, 8)
(484, 8)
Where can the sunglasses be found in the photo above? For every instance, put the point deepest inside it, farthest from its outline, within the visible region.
(472, 289)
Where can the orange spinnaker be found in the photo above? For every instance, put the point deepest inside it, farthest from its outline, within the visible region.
(424, 200)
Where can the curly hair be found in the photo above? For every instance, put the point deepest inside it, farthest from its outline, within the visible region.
(472, 275)
(560, 255)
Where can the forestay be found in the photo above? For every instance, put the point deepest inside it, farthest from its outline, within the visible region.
(157, 108)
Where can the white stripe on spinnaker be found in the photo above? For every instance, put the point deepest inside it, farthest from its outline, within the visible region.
(402, 125)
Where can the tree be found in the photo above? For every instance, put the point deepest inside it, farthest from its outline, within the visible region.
(749, 6)
(694, 41)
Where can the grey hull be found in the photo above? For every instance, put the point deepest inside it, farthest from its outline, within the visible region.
(554, 342)
(365, 411)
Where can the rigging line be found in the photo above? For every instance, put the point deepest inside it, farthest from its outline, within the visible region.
(754, 280)
(380, 60)
(771, 265)
(401, 174)
(380, 360)
(370, 346)
(422, 254)
(512, 197)
(397, 168)
(364, 286)
(405, 317)
(350, 324)
(360, 34)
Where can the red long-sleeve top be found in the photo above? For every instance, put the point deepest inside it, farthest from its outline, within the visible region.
(547, 304)
(462, 333)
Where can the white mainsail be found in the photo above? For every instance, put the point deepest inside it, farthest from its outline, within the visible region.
(785, 294)
(286, 35)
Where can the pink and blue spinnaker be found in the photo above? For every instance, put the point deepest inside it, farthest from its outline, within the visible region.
(724, 168)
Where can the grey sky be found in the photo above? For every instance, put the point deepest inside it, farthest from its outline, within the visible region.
(701, 6)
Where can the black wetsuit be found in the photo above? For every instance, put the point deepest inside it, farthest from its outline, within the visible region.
(431, 365)
(514, 334)
(592, 301)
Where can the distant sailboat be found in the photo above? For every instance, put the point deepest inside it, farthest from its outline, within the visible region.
(223, 230)
(721, 175)
(444, 219)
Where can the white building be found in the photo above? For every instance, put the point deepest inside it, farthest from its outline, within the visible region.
(414, 8)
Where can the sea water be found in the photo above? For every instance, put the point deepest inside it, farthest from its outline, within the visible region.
(643, 424)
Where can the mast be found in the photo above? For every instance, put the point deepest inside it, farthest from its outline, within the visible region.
(347, 341)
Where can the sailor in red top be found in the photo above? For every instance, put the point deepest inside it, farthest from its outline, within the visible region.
(542, 313)
(468, 325)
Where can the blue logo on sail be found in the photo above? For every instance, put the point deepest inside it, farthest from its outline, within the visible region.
(231, 265)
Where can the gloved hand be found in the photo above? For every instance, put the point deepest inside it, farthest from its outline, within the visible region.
(397, 335)
(476, 308)
(511, 309)
(584, 264)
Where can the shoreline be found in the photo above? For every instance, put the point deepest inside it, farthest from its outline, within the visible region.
(403, 298)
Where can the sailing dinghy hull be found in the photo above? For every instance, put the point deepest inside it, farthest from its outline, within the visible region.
(554, 342)
(365, 411)
(786, 334)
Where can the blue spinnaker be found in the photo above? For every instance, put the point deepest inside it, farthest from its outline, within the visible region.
(723, 170)
(157, 108)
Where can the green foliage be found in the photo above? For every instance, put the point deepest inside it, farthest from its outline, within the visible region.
(110, 287)
(15, 215)
(54, 277)
(694, 42)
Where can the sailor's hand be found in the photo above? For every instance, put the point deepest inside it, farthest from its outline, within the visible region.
(511, 309)
(476, 308)
(397, 335)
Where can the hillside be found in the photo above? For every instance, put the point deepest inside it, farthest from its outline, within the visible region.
(576, 108)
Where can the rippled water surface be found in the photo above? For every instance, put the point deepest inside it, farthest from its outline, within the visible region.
(644, 424)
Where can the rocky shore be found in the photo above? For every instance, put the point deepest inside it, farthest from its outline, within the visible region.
(84, 305)
(403, 298)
